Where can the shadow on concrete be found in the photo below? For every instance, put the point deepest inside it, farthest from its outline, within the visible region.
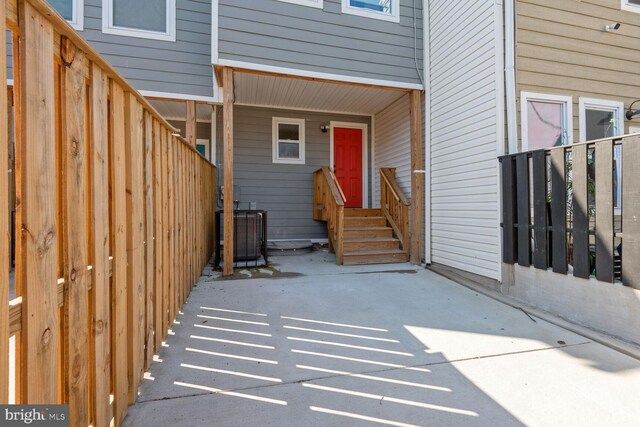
(374, 345)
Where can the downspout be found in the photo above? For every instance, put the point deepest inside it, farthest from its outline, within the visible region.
(510, 75)
(426, 55)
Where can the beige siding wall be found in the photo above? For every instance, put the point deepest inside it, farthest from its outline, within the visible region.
(562, 50)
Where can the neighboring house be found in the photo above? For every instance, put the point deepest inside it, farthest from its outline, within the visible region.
(572, 77)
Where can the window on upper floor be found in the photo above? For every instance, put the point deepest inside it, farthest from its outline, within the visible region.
(288, 141)
(71, 10)
(546, 120)
(388, 10)
(312, 3)
(151, 19)
(630, 5)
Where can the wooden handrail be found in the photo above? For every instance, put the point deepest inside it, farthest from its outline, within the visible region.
(335, 182)
(388, 174)
(328, 206)
(395, 206)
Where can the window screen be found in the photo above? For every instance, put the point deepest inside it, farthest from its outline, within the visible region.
(64, 8)
(150, 15)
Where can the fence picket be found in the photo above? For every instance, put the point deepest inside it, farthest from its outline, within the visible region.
(37, 211)
(100, 295)
(630, 210)
(604, 211)
(76, 259)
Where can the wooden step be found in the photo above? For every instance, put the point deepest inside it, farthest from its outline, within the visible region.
(371, 244)
(362, 212)
(374, 257)
(364, 221)
(367, 232)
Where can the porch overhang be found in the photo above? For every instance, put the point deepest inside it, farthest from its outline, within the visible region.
(294, 92)
(273, 90)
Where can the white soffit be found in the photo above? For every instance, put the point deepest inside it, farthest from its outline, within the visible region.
(283, 92)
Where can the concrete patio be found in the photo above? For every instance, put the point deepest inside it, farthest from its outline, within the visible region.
(310, 343)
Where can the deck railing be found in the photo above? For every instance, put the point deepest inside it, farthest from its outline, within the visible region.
(328, 206)
(114, 223)
(395, 206)
(575, 207)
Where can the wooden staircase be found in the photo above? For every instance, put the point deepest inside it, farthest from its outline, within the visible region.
(368, 239)
(363, 236)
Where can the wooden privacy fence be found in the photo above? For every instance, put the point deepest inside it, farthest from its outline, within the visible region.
(576, 205)
(395, 206)
(115, 222)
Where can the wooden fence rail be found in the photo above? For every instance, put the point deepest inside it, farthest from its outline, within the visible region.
(575, 205)
(114, 222)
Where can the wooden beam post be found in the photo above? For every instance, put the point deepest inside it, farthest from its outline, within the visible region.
(227, 78)
(417, 179)
(190, 131)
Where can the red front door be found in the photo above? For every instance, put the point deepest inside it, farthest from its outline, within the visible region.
(347, 159)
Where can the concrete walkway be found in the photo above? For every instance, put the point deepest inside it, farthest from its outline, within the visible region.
(313, 344)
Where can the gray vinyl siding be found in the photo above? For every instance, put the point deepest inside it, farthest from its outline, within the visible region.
(284, 190)
(276, 33)
(464, 136)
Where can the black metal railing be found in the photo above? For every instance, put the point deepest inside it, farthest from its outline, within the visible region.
(249, 238)
(575, 207)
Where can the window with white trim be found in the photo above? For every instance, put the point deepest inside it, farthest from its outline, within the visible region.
(288, 141)
(311, 3)
(71, 10)
(388, 10)
(601, 118)
(546, 120)
(150, 19)
(630, 5)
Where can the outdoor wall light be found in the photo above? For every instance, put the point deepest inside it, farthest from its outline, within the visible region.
(630, 114)
(324, 128)
(612, 26)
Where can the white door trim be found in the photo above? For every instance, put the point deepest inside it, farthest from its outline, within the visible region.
(365, 154)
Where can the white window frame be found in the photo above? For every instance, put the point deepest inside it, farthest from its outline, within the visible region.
(394, 16)
(109, 28)
(275, 122)
(625, 5)
(567, 101)
(77, 15)
(311, 3)
(616, 107)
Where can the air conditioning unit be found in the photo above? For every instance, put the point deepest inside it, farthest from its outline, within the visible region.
(249, 238)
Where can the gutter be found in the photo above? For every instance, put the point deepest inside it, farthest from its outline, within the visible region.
(510, 75)
(426, 64)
